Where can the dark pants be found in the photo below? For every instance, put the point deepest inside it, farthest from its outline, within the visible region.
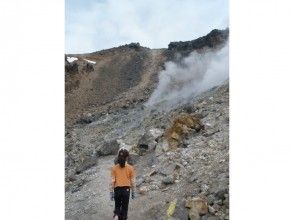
(121, 198)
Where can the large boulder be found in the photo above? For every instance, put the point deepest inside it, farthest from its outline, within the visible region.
(149, 140)
(86, 162)
(197, 206)
(108, 148)
(181, 127)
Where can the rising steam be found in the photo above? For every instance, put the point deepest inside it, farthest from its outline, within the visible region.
(181, 81)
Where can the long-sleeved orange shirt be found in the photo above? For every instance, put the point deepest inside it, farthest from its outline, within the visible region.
(122, 176)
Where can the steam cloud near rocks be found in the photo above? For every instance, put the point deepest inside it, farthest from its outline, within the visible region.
(197, 73)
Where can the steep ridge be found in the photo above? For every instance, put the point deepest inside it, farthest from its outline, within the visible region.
(118, 73)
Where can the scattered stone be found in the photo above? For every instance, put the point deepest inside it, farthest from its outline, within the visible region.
(221, 193)
(216, 207)
(139, 181)
(85, 163)
(167, 169)
(85, 120)
(209, 217)
(193, 178)
(143, 190)
(211, 210)
(152, 173)
(226, 202)
(161, 148)
(204, 189)
(210, 199)
(156, 132)
(68, 161)
(168, 180)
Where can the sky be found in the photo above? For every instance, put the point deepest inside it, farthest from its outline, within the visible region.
(93, 25)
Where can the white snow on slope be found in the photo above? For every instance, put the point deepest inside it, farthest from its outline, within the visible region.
(89, 61)
(71, 59)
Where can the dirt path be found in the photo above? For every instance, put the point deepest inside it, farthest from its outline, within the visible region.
(92, 202)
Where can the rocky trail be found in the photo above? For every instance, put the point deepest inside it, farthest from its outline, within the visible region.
(198, 167)
(92, 201)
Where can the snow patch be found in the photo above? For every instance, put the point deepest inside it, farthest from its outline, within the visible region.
(71, 59)
(90, 61)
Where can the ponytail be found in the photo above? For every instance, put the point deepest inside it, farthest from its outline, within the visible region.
(121, 161)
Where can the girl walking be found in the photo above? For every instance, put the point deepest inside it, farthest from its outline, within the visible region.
(122, 182)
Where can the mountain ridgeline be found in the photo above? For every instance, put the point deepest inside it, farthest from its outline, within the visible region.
(123, 76)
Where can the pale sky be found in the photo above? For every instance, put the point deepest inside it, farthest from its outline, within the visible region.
(92, 25)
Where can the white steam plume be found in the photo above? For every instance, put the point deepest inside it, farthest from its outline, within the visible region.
(179, 82)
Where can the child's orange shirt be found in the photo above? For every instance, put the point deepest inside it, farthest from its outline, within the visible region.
(122, 176)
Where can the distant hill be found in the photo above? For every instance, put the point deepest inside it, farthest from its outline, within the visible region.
(123, 76)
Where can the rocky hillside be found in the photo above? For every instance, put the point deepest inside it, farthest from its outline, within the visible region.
(180, 155)
(105, 81)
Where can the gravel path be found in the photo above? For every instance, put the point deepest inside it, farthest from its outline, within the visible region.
(94, 195)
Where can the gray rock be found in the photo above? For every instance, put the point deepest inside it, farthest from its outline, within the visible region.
(221, 193)
(77, 185)
(211, 210)
(70, 175)
(216, 207)
(86, 163)
(161, 147)
(193, 178)
(188, 108)
(68, 161)
(210, 199)
(109, 148)
(219, 202)
(168, 180)
(168, 169)
(209, 217)
(139, 181)
(148, 140)
(180, 211)
(152, 161)
(133, 159)
(226, 202)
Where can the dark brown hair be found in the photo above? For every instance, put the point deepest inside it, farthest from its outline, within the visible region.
(122, 157)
